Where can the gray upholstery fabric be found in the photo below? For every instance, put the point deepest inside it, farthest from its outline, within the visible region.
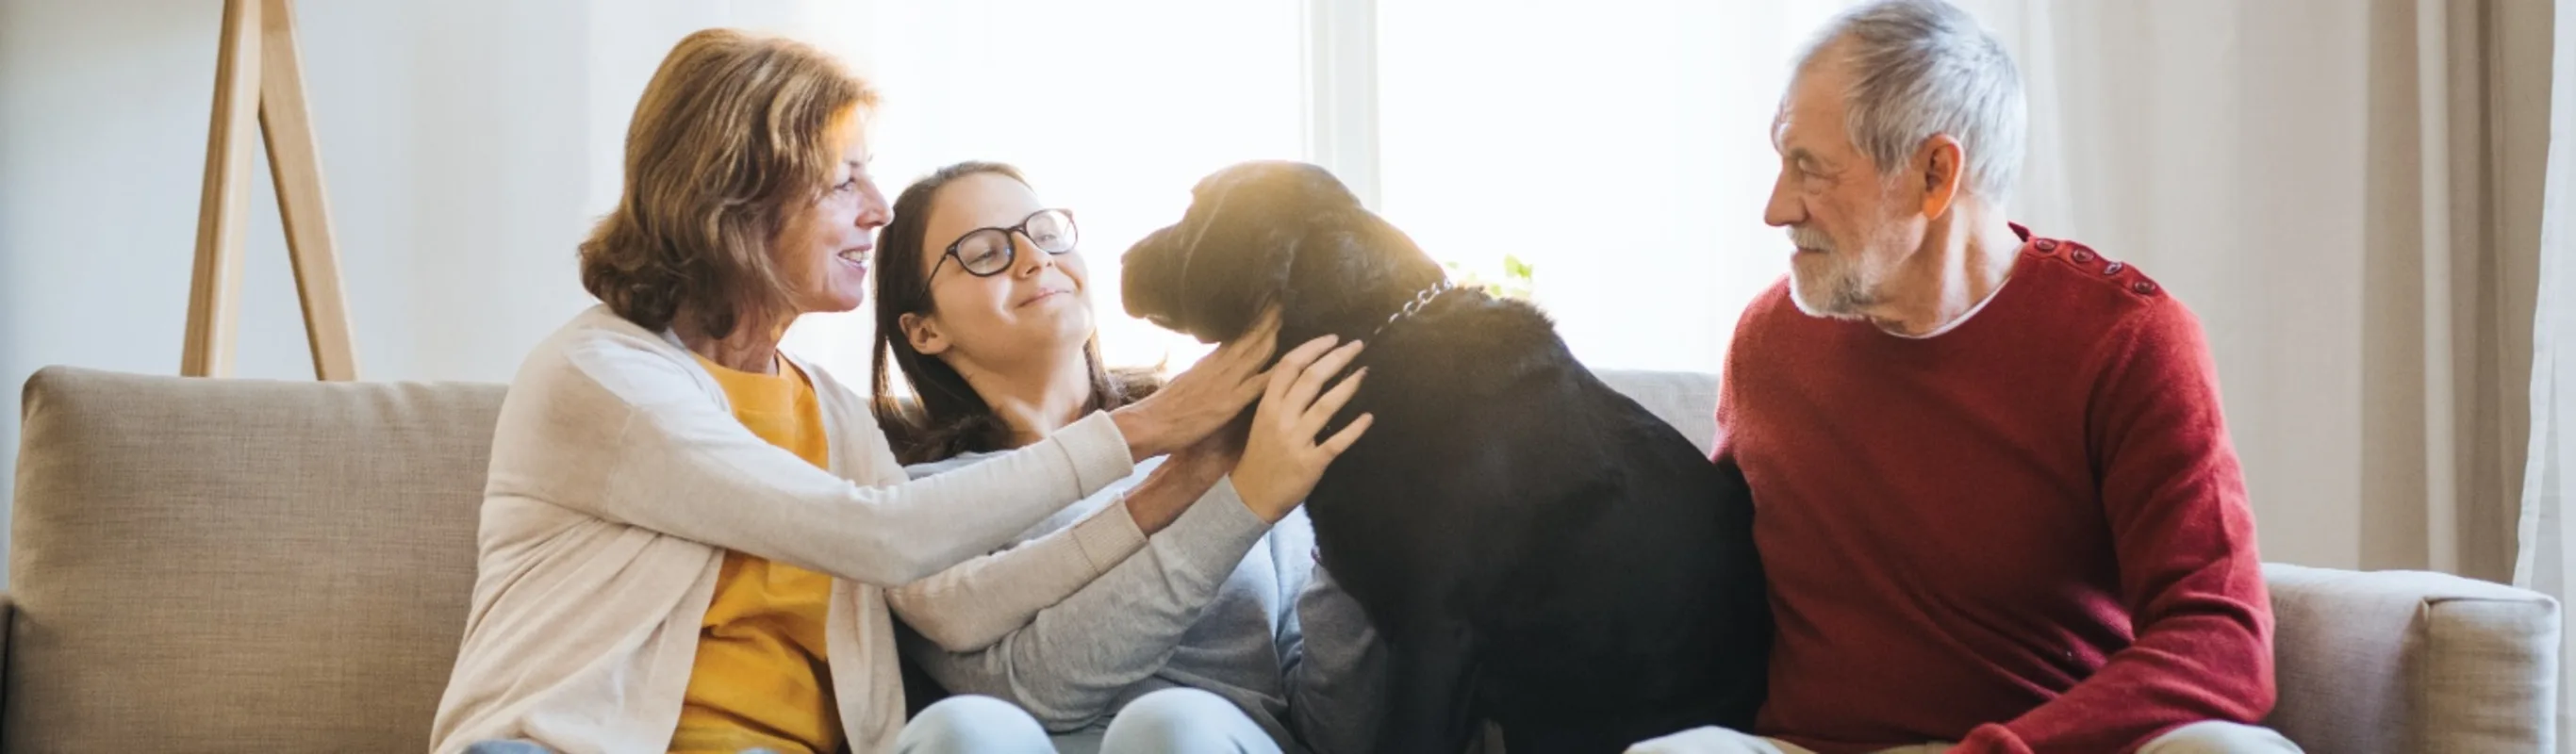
(1686, 400)
(2407, 661)
(234, 565)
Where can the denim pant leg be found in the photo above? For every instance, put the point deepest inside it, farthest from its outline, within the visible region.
(973, 725)
(1184, 720)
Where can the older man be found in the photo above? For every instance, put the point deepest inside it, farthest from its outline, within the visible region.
(1995, 496)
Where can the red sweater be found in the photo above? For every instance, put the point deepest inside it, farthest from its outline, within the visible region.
(2026, 534)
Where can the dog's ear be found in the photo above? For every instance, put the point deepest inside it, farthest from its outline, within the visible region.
(1245, 226)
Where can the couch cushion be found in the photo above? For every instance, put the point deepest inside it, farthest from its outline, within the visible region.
(236, 565)
(2401, 661)
(1686, 400)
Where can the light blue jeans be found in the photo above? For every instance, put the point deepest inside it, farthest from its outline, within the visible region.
(1170, 720)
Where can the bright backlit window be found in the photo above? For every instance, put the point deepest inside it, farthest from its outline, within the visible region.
(1619, 149)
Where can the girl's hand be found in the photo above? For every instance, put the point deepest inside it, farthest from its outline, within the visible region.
(1200, 400)
(1282, 459)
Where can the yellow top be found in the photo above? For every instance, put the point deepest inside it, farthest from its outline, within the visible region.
(760, 681)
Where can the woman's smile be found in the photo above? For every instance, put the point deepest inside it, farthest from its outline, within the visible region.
(857, 256)
(1044, 294)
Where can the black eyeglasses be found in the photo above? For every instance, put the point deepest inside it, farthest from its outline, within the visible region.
(986, 252)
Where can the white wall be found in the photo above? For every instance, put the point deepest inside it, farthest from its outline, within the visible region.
(466, 147)
(103, 115)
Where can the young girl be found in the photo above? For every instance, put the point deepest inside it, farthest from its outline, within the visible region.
(1156, 614)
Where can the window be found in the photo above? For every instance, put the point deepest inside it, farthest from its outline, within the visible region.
(1620, 149)
(1113, 109)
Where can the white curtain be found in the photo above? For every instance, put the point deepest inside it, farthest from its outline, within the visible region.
(2549, 481)
(2347, 194)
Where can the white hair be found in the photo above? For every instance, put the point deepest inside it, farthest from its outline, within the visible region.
(1921, 68)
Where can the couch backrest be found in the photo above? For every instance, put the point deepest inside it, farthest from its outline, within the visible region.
(251, 565)
(239, 565)
(1687, 400)
(255, 566)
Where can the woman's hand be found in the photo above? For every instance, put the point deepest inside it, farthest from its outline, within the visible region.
(1184, 478)
(1282, 459)
(1202, 399)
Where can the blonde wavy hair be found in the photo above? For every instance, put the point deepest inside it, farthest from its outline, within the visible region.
(735, 132)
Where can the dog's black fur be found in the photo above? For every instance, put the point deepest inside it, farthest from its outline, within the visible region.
(1537, 549)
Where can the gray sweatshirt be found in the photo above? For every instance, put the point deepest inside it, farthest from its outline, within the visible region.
(1217, 601)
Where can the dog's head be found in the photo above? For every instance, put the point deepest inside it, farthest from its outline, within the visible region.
(1263, 233)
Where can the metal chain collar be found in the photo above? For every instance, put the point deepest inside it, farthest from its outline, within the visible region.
(1415, 306)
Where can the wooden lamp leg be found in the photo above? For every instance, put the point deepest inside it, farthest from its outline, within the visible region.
(259, 74)
(296, 162)
(213, 297)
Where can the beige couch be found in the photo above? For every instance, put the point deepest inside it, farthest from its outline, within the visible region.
(283, 567)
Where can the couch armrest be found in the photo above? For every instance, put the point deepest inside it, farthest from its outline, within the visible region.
(8, 617)
(2396, 661)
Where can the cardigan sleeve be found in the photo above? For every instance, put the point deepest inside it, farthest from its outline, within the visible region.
(609, 423)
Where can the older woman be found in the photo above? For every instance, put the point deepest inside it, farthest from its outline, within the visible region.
(1155, 627)
(686, 535)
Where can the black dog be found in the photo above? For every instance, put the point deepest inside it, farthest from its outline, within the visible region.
(1537, 549)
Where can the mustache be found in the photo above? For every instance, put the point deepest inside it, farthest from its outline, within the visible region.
(1810, 238)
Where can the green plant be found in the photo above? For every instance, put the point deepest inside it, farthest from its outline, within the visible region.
(1518, 279)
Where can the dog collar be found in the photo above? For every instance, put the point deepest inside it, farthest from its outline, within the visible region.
(1416, 305)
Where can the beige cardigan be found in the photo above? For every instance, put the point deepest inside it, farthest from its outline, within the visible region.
(618, 478)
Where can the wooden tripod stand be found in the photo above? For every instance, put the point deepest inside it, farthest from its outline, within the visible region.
(258, 73)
